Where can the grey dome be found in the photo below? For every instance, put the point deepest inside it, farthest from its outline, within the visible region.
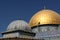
(18, 25)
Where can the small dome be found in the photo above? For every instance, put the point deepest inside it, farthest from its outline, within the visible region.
(45, 17)
(18, 25)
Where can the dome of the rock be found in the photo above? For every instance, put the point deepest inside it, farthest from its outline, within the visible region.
(45, 17)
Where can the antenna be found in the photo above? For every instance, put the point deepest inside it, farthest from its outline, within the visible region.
(19, 18)
(43, 1)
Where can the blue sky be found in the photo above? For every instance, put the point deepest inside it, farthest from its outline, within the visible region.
(11, 10)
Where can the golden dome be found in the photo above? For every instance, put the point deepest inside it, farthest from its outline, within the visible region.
(45, 17)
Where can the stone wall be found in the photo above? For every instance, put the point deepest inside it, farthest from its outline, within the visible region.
(19, 39)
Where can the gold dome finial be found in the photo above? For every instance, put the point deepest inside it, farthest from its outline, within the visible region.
(43, 1)
(44, 7)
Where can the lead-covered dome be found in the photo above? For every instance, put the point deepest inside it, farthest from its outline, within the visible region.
(18, 25)
(45, 17)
